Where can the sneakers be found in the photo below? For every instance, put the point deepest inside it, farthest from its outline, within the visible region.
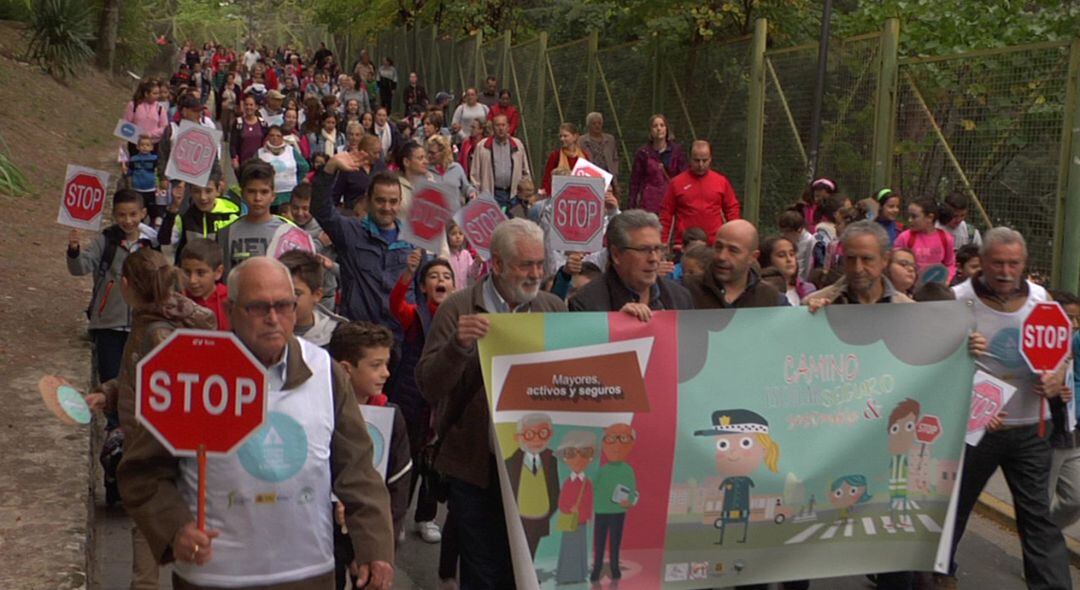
(429, 531)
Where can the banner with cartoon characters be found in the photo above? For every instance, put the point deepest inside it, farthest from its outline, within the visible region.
(721, 448)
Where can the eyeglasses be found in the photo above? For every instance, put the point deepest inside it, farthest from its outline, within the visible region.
(262, 309)
(542, 434)
(647, 250)
(623, 438)
(584, 453)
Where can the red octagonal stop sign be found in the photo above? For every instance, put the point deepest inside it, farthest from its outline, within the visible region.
(1046, 337)
(84, 198)
(577, 208)
(478, 221)
(195, 151)
(928, 429)
(200, 388)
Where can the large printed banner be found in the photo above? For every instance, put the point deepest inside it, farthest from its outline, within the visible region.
(719, 448)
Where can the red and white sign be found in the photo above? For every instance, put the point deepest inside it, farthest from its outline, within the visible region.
(84, 198)
(584, 167)
(290, 238)
(988, 396)
(1046, 337)
(433, 206)
(478, 221)
(194, 150)
(200, 389)
(577, 213)
(927, 429)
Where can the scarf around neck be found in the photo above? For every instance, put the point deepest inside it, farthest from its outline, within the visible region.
(330, 145)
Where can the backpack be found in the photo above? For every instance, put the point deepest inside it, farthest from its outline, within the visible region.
(940, 234)
(113, 236)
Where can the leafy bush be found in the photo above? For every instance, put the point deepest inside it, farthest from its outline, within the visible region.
(61, 33)
(12, 180)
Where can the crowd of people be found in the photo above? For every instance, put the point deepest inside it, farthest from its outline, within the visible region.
(369, 317)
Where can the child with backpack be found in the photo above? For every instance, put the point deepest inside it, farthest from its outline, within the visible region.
(150, 287)
(140, 169)
(888, 215)
(930, 244)
(110, 317)
(208, 213)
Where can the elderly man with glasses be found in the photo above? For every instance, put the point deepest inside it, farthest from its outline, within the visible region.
(534, 477)
(269, 501)
(632, 283)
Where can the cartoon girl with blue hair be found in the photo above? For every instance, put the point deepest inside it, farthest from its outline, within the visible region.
(846, 492)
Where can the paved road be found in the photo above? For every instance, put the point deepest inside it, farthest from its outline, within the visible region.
(989, 559)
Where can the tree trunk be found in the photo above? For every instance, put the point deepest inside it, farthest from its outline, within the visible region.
(110, 23)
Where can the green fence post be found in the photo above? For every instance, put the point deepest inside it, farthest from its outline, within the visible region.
(504, 73)
(536, 150)
(1066, 267)
(885, 105)
(478, 59)
(755, 123)
(590, 71)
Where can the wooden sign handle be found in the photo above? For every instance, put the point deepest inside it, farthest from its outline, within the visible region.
(201, 456)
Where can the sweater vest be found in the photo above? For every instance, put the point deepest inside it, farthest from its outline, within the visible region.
(271, 498)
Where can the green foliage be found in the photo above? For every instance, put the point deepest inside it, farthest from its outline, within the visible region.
(18, 10)
(12, 181)
(61, 33)
(936, 27)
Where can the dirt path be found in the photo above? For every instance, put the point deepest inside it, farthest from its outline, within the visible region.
(44, 465)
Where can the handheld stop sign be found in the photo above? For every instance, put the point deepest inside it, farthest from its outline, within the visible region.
(201, 392)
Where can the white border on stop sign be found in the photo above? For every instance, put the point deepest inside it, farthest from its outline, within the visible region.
(209, 334)
(64, 218)
(485, 199)
(1068, 340)
(451, 197)
(595, 186)
(173, 172)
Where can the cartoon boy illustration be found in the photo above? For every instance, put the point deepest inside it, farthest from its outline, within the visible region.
(901, 439)
(616, 492)
(742, 445)
(846, 492)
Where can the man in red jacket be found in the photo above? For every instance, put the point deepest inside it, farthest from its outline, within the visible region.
(698, 197)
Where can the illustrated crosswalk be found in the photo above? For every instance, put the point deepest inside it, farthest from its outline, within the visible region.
(866, 525)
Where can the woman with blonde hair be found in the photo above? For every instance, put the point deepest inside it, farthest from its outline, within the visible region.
(441, 162)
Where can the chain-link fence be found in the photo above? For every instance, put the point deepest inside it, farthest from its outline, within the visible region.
(989, 124)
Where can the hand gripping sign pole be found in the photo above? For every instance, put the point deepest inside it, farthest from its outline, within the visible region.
(1045, 343)
(200, 392)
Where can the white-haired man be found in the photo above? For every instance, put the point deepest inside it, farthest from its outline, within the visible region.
(268, 503)
(449, 377)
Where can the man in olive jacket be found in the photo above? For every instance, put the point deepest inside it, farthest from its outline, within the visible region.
(268, 506)
(450, 379)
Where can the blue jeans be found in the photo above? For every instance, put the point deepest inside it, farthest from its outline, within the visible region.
(108, 354)
(481, 528)
(502, 197)
(1024, 458)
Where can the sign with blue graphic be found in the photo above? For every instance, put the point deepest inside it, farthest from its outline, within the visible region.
(127, 131)
(380, 425)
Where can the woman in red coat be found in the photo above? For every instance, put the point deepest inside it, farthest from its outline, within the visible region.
(565, 157)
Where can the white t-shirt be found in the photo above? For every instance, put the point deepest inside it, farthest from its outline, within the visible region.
(251, 58)
(465, 114)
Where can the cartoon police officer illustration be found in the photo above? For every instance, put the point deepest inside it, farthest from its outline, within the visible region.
(742, 445)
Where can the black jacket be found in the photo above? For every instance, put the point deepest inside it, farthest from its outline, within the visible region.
(709, 294)
(610, 294)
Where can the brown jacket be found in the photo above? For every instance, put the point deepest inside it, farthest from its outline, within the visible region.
(149, 329)
(709, 294)
(148, 476)
(838, 293)
(450, 379)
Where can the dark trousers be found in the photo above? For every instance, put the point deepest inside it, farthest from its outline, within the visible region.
(481, 532)
(427, 502)
(608, 526)
(1024, 458)
(448, 548)
(503, 197)
(108, 354)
